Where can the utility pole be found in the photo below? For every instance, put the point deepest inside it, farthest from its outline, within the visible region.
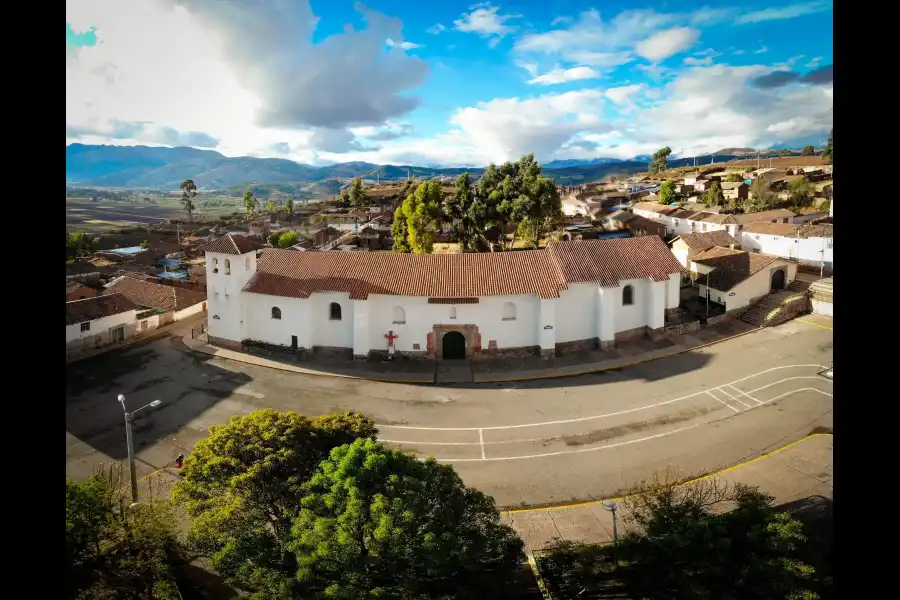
(129, 440)
(178, 232)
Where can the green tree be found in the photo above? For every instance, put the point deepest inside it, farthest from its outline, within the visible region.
(801, 191)
(761, 197)
(289, 205)
(378, 523)
(677, 546)
(808, 151)
(828, 153)
(713, 195)
(250, 202)
(456, 210)
(89, 514)
(145, 244)
(76, 244)
(243, 486)
(344, 196)
(273, 238)
(660, 160)
(422, 210)
(734, 177)
(188, 193)
(358, 195)
(270, 206)
(667, 193)
(287, 239)
(400, 232)
(784, 152)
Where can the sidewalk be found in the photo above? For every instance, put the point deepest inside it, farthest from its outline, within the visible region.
(503, 370)
(794, 473)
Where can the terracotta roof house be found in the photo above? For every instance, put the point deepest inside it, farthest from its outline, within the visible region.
(95, 322)
(569, 295)
(78, 291)
(810, 244)
(231, 244)
(736, 279)
(686, 246)
(178, 301)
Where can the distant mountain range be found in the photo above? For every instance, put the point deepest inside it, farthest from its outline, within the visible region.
(143, 167)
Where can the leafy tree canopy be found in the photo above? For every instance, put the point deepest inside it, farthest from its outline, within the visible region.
(801, 191)
(377, 523)
(808, 151)
(357, 194)
(400, 232)
(828, 153)
(243, 485)
(667, 193)
(761, 197)
(660, 160)
(188, 193)
(250, 202)
(422, 210)
(287, 239)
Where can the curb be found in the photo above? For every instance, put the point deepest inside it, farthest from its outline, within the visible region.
(619, 366)
(691, 480)
(303, 371)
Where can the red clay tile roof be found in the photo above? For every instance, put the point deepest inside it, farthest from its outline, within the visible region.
(71, 286)
(817, 230)
(453, 301)
(90, 309)
(155, 295)
(767, 228)
(469, 275)
(698, 242)
(231, 244)
(709, 255)
(613, 260)
(729, 271)
(766, 215)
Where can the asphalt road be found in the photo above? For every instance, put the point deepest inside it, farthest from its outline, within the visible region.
(532, 443)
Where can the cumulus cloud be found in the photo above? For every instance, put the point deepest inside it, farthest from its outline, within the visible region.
(775, 79)
(404, 45)
(664, 44)
(693, 61)
(391, 131)
(336, 141)
(761, 50)
(622, 95)
(435, 29)
(564, 75)
(790, 11)
(246, 73)
(138, 132)
(486, 20)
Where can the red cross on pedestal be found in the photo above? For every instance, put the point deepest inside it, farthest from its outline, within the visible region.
(391, 337)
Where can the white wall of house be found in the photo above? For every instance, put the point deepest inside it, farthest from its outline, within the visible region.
(576, 312)
(807, 250)
(572, 207)
(681, 251)
(100, 327)
(754, 287)
(190, 310)
(147, 324)
(295, 319)
(820, 307)
(326, 331)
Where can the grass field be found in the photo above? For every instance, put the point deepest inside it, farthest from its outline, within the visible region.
(83, 214)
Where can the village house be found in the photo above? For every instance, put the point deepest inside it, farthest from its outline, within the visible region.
(78, 291)
(685, 247)
(261, 228)
(736, 279)
(735, 190)
(679, 221)
(570, 295)
(636, 224)
(808, 243)
(98, 321)
(322, 236)
(161, 303)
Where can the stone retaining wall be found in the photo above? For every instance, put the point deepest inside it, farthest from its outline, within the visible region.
(718, 319)
(682, 328)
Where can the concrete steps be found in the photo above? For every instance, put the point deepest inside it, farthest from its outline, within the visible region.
(776, 308)
(799, 286)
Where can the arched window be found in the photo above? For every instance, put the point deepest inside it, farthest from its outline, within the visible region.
(452, 312)
(276, 312)
(227, 267)
(627, 295)
(509, 311)
(334, 311)
(215, 265)
(399, 315)
(247, 264)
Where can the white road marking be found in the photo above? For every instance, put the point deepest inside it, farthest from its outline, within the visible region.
(724, 391)
(795, 391)
(481, 441)
(603, 416)
(246, 391)
(740, 393)
(723, 402)
(788, 379)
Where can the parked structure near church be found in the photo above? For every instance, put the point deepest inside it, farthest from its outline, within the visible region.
(571, 295)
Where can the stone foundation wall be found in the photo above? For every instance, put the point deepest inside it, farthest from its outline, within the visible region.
(399, 355)
(332, 352)
(718, 319)
(682, 328)
(674, 315)
(632, 334)
(507, 352)
(788, 311)
(577, 345)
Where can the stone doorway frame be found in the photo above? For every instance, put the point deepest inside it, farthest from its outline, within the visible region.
(470, 332)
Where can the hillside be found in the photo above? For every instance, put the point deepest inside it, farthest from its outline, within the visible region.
(142, 167)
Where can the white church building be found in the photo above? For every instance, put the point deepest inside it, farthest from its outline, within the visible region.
(571, 295)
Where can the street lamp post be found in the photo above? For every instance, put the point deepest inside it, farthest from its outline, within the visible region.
(129, 419)
(611, 506)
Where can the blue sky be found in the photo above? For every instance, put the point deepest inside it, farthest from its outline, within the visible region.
(449, 82)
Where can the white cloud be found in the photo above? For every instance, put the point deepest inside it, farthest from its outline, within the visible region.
(664, 44)
(246, 75)
(563, 75)
(761, 50)
(622, 95)
(694, 62)
(813, 63)
(559, 20)
(784, 12)
(486, 21)
(435, 29)
(404, 45)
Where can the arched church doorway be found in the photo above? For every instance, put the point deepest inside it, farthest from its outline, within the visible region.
(778, 280)
(454, 345)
